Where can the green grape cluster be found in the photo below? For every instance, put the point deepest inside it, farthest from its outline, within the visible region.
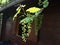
(26, 29)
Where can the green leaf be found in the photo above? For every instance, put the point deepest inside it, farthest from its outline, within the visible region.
(33, 9)
(45, 4)
(26, 20)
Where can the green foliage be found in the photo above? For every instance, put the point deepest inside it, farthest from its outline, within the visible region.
(31, 14)
(3, 2)
(27, 19)
(33, 10)
(38, 23)
(40, 3)
(15, 16)
(43, 3)
(18, 11)
(26, 22)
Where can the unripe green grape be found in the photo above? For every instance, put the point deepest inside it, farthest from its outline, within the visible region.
(29, 27)
(24, 30)
(24, 40)
(23, 15)
(23, 37)
(28, 34)
(29, 30)
(24, 25)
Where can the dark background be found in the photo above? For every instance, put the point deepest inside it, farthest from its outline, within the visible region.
(50, 31)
